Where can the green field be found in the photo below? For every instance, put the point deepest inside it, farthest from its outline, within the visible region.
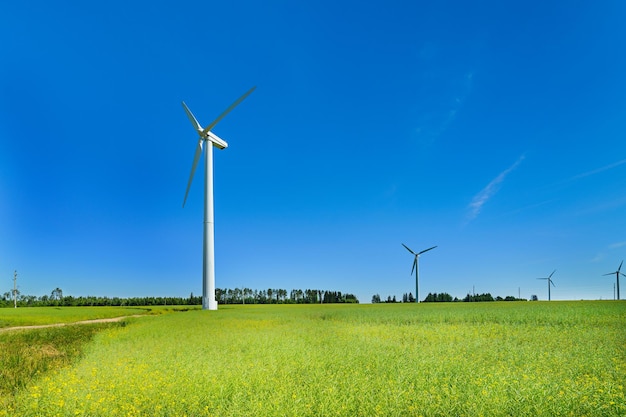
(32, 316)
(439, 359)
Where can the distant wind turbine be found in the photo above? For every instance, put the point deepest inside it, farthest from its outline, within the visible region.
(416, 268)
(208, 250)
(617, 273)
(549, 278)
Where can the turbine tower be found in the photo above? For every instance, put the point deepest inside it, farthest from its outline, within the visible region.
(549, 278)
(617, 273)
(416, 268)
(208, 138)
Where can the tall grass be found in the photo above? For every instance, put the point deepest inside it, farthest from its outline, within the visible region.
(28, 316)
(539, 359)
(27, 355)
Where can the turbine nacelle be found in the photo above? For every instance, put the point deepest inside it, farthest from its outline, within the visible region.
(206, 135)
(417, 255)
(549, 278)
(617, 272)
(218, 142)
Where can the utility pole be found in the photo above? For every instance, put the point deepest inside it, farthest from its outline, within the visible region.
(519, 293)
(14, 289)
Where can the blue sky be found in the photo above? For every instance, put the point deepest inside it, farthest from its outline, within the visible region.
(494, 130)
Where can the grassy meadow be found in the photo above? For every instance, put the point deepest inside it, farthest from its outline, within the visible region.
(33, 316)
(27, 355)
(438, 359)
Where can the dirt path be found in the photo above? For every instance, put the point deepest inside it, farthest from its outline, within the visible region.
(43, 326)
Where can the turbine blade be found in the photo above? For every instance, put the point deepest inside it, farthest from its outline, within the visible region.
(623, 274)
(225, 112)
(407, 248)
(426, 250)
(610, 273)
(620, 265)
(550, 276)
(192, 118)
(414, 265)
(196, 158)
(552, 283)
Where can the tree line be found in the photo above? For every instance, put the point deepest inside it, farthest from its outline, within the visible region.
(281, 296)
(444, 297)
(222, 295)
(488, 297)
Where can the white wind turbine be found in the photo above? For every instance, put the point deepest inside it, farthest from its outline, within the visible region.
(549, 279)
(617, 276)
(416, 269)
(208, 250)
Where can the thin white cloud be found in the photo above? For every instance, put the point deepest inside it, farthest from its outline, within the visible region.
(529, 207)
(603, 255)
(617, 245)
(599, 257)
(597, 171)
(486, 193)
(606, 206)
(584, 175)
(433, 124)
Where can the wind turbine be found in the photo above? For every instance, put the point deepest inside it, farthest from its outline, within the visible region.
(208, 251)
(617, 276)
(549, 278)
(416, 268)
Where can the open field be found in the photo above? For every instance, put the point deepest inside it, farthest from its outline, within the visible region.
(27, 355)
(33, 316)
(516, 358)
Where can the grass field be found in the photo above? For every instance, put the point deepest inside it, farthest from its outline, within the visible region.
(27, 355)
(466, 359)
(31, 316)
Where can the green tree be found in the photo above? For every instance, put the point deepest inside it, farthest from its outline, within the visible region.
(57, 294)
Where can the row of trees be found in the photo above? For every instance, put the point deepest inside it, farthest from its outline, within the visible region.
(406, 298)
(444, 297)
(489, 297)
(281, 296)
(223, 296)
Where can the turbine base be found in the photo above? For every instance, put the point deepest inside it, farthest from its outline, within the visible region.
(208, 304)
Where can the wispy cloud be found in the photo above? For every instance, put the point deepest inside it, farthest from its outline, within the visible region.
(486, 193)
(617, 245)
(433, 123)
(608, 205)
(530, 207)
(603, 254)
(599, 257)
(597, 171)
